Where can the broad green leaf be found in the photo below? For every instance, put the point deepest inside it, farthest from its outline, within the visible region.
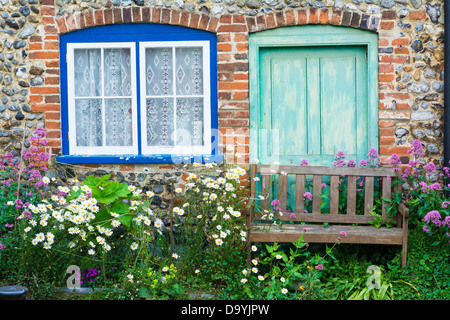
(125, 219)
(101, 216)
(120, 207)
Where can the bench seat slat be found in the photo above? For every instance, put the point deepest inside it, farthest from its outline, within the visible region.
(335, 171)
(319, 234)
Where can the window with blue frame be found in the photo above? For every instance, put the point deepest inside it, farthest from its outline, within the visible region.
(138, 93)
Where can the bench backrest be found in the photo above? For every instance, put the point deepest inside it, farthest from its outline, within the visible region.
(385, 176)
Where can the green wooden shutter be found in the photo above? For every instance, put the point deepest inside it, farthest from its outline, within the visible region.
(313, 92)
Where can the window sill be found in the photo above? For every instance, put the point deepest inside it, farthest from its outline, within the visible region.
(160, 158)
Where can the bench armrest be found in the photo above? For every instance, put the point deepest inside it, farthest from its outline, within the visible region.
(404, 211)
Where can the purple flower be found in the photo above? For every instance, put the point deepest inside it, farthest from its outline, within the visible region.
(416, 148)
(425, 229)
(343, 233)
(395, 161)
(339, 155)
(372, 153)
(446, 221)
(434, 217)
(363, 163)
(351, 163)
(275, 202)
(319, 266)
(430, 167)
(307, 195)
(304, 163)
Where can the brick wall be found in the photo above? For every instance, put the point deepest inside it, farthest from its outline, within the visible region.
(398, 60)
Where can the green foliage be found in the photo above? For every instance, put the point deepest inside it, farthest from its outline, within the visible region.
(204, 248)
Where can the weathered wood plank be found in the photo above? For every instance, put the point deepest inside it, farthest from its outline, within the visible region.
(299, 191)
(336, 171)
(320, 234)
(266, 181)
(351, 195)
(252, 181)
(385, 193)
(317, 189)
(368, 195)
(331, 218)
(282, 191)
(334, 194)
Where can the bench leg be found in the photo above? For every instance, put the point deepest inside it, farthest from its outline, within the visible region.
(404, 254)
(405, 242)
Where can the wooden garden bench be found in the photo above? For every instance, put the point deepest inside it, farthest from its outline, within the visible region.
(325, 227)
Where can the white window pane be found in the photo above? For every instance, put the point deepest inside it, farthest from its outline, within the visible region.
(160, 127)
(189, 121)
(87, 72)
(189, 71)
(159, 71)
(117, 71)
(118, 122)
(88, 114)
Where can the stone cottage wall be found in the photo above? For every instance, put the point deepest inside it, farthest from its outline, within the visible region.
(411, 61)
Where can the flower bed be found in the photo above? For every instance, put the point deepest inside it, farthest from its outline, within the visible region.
(111, 233)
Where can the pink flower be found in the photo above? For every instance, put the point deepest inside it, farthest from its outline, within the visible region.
(319, 266)
(363, 163)
(351, 163)
(434, 217)
(372, 153)
(307, 195)
(304, 163)
(395, 161)
(275, 204)
(416, 148)
(343, 233)
(446, 221)
(430, 167)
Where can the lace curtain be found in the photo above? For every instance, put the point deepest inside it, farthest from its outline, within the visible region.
(174, 97)
(174, 90)
(103, 97)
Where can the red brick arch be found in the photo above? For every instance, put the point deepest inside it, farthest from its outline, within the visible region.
(313, 16)
(235, 22)
(106, 16)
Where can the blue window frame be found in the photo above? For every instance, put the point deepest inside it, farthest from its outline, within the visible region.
(139, 93)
